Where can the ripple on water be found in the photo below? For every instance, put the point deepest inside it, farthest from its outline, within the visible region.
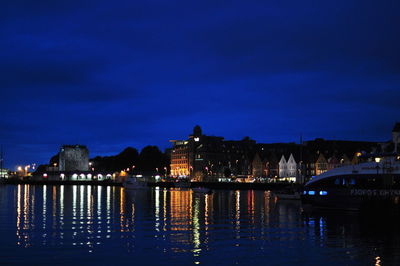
(104, 225)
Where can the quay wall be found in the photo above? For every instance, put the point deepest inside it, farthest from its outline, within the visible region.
(212, 185)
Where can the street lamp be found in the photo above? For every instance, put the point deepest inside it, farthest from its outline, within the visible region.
(377, 160)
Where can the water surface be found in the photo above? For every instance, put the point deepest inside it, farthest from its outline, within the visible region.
(95, 225)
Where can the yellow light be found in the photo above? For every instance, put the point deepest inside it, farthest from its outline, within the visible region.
(377, 159)
(19, 168)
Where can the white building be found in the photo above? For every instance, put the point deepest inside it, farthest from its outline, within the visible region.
(288, 169)
(3, 173)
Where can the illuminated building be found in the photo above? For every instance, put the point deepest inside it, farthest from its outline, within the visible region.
(207, 158)
(289, 169)
(321, 165)
(180, 158)
(72, 163)
(4, 173)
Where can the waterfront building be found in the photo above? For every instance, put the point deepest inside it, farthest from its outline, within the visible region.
(283, 168)
(321, 165)
(73, 164)
(333, 162)
(258, 166)
(292, 168)
(73, 158)
(4, 173)
(180, 166)
(211, 158)
(289, 169)
(396, 136)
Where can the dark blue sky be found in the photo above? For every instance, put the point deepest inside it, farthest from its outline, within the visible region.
(112, 74)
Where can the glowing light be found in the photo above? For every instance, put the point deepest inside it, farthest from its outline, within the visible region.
(323, 193)
(378, 261)
(377, 159)
(311, 192)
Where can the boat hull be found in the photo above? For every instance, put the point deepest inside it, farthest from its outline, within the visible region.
(352, 199)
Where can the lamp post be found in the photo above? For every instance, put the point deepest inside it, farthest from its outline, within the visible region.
(377, 160)
(26, 170)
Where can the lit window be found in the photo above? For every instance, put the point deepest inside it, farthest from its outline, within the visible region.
(323, 193)
(311, 192)
(305, 193)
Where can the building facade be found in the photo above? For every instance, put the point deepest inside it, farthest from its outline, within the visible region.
(73, 158)
(211, 158)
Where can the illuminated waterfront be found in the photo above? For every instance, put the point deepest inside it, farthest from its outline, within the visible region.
(103, 225)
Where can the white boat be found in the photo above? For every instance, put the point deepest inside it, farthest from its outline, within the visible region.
(134, 183)
(203, 190)
(366, 186)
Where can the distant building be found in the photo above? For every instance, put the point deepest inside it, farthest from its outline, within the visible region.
(283, 171)
(396, 136)
(289, 169)
(180, 165)
(258, 167)
(4, 173)
(203, 157)
(73, 158)
(211, 158)
(321, 165)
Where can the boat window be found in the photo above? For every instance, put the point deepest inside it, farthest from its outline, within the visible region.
(323, 193)
(343, 182)
(311, 192)
(352, 181)
(337, 181)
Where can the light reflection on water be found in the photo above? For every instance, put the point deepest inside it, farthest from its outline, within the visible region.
(100, 225)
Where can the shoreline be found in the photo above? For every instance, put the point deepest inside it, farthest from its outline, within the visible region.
(211, 185)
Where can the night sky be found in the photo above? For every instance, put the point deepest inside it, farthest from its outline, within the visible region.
(112, 74)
